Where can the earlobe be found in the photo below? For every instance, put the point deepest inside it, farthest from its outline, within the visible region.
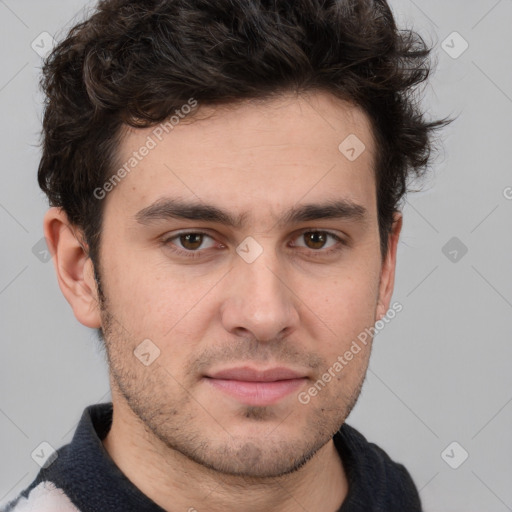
(387, 280)
(75, 271)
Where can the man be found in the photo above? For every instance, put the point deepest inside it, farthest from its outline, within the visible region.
(224, 180)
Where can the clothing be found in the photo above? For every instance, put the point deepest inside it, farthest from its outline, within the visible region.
(83, 477)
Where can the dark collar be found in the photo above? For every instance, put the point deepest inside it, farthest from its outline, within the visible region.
(85, 471)
(88, 475)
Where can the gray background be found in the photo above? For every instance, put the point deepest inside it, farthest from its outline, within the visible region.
(440, 372)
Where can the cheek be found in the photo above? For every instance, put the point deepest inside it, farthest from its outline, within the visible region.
(348, 311)
(150, 300)
(349, 300)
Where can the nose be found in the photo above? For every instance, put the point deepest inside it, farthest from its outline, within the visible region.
(260, 301)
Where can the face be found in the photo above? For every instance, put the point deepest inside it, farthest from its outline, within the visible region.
(243, 253)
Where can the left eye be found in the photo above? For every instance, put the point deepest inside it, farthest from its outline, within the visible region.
(317, 239)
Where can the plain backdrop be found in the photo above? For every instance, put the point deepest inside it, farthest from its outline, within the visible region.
(441, 370)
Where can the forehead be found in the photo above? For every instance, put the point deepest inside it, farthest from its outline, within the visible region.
(255, 155)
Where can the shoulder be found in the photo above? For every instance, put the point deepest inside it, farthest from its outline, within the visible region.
(42, 497)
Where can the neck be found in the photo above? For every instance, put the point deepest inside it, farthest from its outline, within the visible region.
(174, 482)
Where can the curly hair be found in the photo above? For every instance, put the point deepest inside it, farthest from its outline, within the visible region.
(133, 62)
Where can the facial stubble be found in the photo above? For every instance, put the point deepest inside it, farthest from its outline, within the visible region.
(180, 425)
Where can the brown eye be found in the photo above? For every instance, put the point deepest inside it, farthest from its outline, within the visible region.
(315, 240)
(191, 241)
(192, 244)
(320, 243)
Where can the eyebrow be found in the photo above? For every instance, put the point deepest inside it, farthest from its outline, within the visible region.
(167, 208)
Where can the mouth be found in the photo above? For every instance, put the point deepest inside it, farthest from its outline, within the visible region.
(255, 387)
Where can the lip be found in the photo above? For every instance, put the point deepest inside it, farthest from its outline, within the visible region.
(248, 374)
(255, 387)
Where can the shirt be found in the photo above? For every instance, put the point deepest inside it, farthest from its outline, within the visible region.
(84, 478)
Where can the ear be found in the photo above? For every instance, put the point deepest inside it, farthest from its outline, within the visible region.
(75, 271)
(387, 279)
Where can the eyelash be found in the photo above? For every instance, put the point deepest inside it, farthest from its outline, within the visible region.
(199, 253)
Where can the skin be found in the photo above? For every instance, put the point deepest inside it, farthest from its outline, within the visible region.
(183, 442)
